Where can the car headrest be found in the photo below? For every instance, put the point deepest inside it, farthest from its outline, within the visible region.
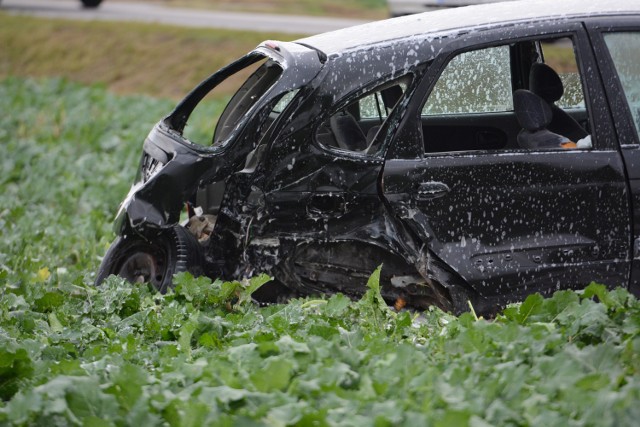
(545, 82)
(391, 96)
(347, 132)
(532, 112)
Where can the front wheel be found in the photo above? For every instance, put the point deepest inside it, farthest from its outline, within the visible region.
(152, 259)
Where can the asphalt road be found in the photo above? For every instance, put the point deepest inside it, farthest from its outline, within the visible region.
(147, 12)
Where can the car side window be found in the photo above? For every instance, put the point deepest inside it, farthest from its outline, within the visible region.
(473, 82)
(524, 95)
(354, 127)
(624, 48)
(558, 54)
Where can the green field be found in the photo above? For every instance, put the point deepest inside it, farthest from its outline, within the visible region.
(71, 354)
(159, 60)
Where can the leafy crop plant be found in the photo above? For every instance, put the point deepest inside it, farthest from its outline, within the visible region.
(205, 354)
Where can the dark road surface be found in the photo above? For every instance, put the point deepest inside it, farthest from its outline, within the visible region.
(147, 12)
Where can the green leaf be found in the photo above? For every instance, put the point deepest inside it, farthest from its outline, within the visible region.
(275, 375)
(128, 384)
(532, 306)
(454, 418)
(94, 421)
(196, 290)
(55, 324)
(337, 305)
(372, 305)
(15, 367)
(186, 333)
(253, 284)
(286, 415)
(49, 301)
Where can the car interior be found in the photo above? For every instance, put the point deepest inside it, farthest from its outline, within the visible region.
(478, 103)
(354, 127)
(507, 97)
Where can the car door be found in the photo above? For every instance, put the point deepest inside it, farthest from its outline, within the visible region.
(508, 220)
(617, 46)
(320, 186)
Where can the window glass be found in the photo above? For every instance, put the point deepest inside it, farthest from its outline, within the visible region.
(625, 51)
(370, 107)
(504, 98)
(354, 127)
(473, 82)
(379, 103)
(284, 101)
(559, 55)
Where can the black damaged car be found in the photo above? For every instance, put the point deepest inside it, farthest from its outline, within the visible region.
(480, 154)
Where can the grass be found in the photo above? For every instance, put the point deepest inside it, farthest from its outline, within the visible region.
(163, 61)
(360, 9)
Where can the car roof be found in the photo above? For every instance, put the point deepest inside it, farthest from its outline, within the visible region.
(441, 22)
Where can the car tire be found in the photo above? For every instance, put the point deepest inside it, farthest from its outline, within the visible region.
(154, 259)
(91, 3)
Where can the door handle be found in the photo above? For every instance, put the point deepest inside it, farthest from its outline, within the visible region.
(431, 190)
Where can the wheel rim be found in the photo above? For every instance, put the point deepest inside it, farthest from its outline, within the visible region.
(144, 264)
